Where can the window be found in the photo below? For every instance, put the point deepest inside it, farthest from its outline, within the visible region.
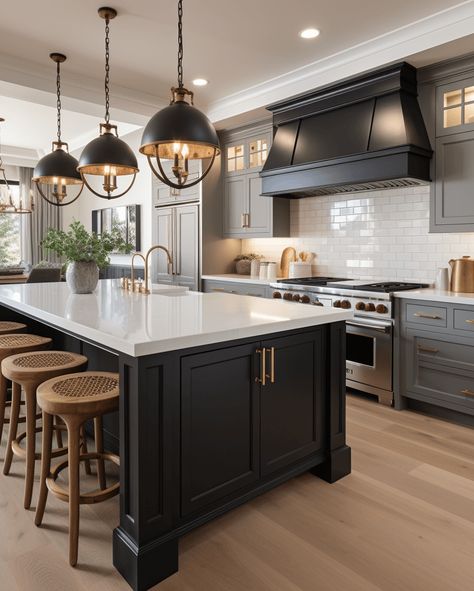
(458, 107)
(10, 230)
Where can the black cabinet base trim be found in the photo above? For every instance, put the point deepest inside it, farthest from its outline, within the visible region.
(336, 466)
(142, 568)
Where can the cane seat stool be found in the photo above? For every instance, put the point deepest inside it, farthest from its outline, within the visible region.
(76, 399)
(29, 370)
(10, 344)
(8, 327)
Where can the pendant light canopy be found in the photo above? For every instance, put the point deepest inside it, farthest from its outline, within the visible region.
(7, 203)
(58, 170)
(179, 132)
(107, 156)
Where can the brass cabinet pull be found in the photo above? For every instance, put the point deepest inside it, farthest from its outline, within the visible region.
(218, 289)
(263, 369)
(429, 316)
(247, 220)
(470, 321)
(427, 349)
(242, 220)
(467, 392)
(272, 365)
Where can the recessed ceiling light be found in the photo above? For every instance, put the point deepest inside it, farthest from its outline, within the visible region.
(309, 33)
(200, 82)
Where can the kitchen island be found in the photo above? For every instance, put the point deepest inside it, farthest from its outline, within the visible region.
(222, 398)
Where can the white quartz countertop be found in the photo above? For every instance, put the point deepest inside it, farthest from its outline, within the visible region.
(236, 278)
(138, 325)
(435, 295)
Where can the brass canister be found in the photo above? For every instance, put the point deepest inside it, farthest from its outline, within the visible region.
(462, 274)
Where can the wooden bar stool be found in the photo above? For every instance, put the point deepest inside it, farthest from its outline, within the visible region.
(76, 398)
(29, 370)
(9, 345)
(7, 327)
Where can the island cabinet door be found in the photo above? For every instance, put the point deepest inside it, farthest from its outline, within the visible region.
(219, 425)
(292, 402)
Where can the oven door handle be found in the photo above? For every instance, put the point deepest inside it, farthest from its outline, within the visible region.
(385, 329)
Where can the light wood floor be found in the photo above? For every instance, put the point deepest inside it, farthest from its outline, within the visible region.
(402, 521)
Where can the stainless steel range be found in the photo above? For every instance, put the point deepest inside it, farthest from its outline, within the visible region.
(369, 351)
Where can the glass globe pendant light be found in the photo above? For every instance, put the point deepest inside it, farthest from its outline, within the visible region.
(8, 205)
(58, 170)
(179, 132)
(107, 156)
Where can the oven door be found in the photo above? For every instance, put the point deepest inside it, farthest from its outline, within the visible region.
(369, 354)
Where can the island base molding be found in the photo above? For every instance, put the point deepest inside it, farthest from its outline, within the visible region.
(155, 561)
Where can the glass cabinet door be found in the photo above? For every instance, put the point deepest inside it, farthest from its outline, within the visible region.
(456, 107)
(235, 158)
(258, 151)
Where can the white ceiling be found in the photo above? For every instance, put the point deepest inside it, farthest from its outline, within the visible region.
(249, 50)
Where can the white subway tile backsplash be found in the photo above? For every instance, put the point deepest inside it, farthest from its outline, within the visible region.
(376, 235)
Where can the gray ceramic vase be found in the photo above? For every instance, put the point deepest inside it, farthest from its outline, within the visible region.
(82, 277)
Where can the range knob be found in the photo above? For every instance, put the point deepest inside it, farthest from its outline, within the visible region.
(345, 304)
(317, 303)
(370, 307)
(296, 297)
(360, 306)
(288, 296)
(381, 309)
(277, 295)
(305, 299)
(337, 304)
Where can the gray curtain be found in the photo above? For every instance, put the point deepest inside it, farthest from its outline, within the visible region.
(36, 225)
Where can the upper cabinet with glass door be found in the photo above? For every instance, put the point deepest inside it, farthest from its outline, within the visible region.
(247, 154)
(455, 107)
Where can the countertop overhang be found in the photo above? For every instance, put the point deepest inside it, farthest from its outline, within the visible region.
(138, 325)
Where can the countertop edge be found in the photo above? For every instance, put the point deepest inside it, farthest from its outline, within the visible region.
(238, 279)
(433, 295)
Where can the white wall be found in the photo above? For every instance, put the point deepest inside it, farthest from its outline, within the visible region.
(140, 193)
(375, 235)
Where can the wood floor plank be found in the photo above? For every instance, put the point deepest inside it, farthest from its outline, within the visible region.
(403, 520)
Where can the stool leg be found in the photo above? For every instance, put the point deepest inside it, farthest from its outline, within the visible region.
(30, 397)
(12, 432)
(3, 401)
(47, 444)
(59, 433)
(74, 444)
(99, 447)
(87, 464)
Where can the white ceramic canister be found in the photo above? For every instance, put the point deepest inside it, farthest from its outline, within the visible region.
(442, 279)
(255, 268)
(271, 271)
(262, 274)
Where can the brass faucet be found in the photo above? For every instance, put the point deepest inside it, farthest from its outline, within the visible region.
(142, 286)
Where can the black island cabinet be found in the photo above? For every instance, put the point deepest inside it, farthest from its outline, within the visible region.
(202, 429)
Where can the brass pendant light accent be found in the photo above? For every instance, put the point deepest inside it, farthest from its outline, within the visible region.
(8, 205)
(179, 132)
(107, 156)
(58, 170)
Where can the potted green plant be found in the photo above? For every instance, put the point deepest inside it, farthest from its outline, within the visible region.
(85, 252)
(244, 261)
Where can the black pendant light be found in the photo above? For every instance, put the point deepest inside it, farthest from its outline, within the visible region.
(179, 132)
(58, 170)
(108, 156)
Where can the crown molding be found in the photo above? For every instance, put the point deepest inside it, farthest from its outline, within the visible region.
(14, 156)
(437, 29)
(25, 80)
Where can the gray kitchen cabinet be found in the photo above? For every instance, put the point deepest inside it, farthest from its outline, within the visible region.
(435, 356)
(248, 214)
(447, 100)
(162, 194)
(177, 228)
(237, 287)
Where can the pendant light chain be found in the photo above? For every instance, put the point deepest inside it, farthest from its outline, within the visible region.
(107, 71)
(58, 101)
(180, 43)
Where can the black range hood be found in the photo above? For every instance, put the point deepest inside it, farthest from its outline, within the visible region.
(363, 134)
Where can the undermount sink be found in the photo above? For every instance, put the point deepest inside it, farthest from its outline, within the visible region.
(164, 289)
